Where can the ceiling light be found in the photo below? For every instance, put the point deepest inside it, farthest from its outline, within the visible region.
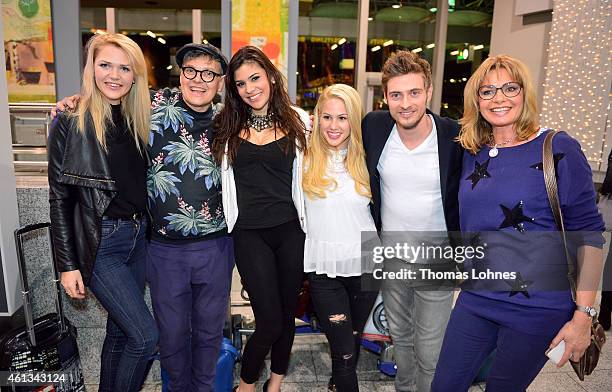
(205, 41)
(151, 34)
(341, 41)
(164, 18)
(313, 66)
(370, 19)
(464, 79)
(161, 40)
(396, 6)
(375, 48)
(169, 67)
(454, 53)
(387, 43)
(431, 46)
(452, 80)
(434, 9)
(334, 46)
(417, 50)
(478, 47)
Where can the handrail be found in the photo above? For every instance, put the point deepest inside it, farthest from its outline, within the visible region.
(31, 106)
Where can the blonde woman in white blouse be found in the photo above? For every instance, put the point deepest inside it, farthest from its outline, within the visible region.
(337, 189)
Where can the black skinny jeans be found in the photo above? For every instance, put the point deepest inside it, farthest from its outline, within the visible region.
(343, 310)
(271, 264)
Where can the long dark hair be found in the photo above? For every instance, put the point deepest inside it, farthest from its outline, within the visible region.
(233, 117)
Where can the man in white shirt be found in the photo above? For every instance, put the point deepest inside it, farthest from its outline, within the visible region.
(415, 167)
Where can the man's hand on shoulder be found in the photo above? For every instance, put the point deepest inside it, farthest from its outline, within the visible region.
(65, 105)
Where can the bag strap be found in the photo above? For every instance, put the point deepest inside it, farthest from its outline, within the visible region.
(550, 180)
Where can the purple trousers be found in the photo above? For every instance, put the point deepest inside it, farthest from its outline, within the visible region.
(190, 285)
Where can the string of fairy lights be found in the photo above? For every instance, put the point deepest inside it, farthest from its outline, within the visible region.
(578, 74)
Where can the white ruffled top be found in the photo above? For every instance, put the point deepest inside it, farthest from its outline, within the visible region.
(335, 224)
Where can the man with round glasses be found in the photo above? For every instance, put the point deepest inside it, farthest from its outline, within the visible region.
(190, 254)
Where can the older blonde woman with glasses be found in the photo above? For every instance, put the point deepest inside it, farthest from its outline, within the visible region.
(503, 198)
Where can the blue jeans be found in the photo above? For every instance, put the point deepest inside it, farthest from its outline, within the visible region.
(118, 283)
(417, 318)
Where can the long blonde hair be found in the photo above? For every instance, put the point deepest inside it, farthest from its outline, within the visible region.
(315, 181)
(135, 106)
(475, 130)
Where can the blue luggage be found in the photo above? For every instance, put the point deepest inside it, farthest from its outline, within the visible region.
(224, 376)
(485, 368)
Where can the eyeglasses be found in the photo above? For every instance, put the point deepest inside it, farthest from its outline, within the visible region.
(206, 74)
(510, 90)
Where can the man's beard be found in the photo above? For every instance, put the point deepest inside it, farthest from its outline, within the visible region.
(411, 126)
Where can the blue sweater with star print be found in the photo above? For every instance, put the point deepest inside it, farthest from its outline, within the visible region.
(503, 202)
(183, 180)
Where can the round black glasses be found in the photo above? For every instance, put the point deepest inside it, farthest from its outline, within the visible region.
(206, 75)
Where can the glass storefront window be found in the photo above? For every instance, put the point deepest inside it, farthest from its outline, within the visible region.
(326, 48)
(412, 27)
(159, 32)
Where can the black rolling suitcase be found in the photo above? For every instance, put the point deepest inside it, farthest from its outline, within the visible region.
(43, 355)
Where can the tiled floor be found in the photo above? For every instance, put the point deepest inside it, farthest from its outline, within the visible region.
(311, 367)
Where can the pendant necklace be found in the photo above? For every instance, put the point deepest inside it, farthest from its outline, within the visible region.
(260, 122)
(494, 151)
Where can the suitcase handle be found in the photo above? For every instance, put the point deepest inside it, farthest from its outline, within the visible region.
(25, 288)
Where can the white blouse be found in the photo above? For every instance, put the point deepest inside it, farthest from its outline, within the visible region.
(333, 239)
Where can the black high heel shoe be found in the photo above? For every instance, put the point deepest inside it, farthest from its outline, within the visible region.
(331, 386)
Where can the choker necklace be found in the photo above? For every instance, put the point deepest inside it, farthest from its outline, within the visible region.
(260, 122)
(494, 151)
(336, 160)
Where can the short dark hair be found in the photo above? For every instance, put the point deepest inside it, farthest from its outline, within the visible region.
(193, 50)
(196, 54)
(405, 62)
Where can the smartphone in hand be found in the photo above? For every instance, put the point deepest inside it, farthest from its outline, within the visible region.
(555, 353)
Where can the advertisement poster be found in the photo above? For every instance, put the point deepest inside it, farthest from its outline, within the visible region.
(264, 24)
(28, 48)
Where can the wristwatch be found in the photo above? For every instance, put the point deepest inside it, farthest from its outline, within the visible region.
(589, 310)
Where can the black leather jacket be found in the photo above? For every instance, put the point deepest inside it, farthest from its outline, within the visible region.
(80, 190)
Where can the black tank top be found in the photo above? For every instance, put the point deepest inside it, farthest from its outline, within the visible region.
(263, 176)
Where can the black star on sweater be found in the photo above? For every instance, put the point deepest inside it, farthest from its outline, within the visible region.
(514, 217)
(480, 171)
(519, 286)
(556, 158)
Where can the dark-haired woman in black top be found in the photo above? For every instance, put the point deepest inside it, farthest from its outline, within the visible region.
(260, 144)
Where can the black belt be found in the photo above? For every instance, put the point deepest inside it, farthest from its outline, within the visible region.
(135, 217)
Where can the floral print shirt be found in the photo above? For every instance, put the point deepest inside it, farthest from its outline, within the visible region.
(183, 180)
